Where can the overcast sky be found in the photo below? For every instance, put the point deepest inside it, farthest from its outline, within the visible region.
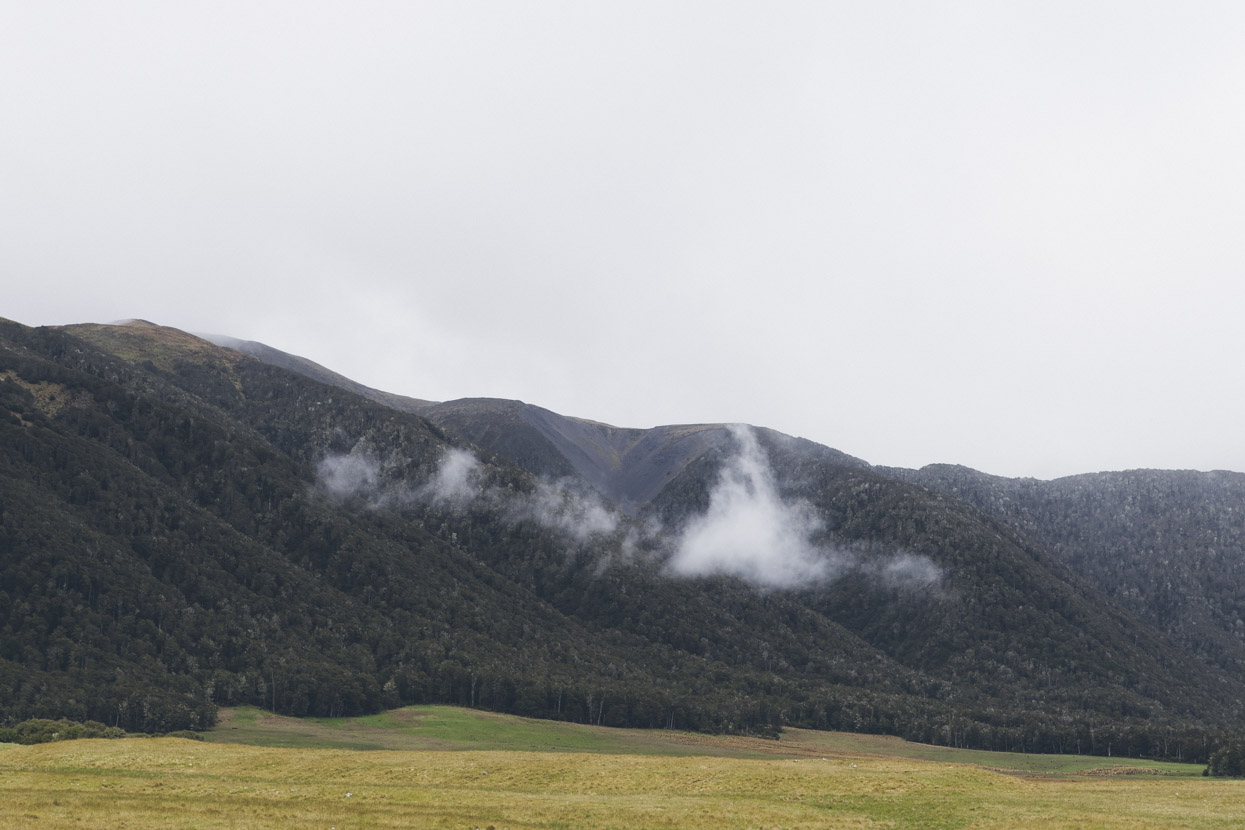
(1007, 235)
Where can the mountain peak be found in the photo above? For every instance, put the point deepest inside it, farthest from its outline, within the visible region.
(141, 340)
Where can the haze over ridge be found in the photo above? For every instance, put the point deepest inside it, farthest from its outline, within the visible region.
(987, 234)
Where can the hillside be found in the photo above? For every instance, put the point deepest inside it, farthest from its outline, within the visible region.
(1167, 545)
(166, 552)
(187, 526)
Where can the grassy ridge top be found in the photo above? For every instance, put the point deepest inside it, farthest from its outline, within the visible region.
(174, 783)
(453, 728)
(139, 340)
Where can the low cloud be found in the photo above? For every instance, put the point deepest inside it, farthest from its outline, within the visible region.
(570, 509)
(456, 481)
(349, 476)
(459, 482)
(907, 570)
(750, 531)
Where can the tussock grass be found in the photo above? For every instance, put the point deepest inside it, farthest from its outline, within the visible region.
(174, 783)
(450, 727)
(429, 727)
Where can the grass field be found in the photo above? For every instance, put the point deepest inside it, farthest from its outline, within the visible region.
(448, 727)
(534, 774)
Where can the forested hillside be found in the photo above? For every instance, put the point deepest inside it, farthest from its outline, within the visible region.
(1167, 545)
(184, 525)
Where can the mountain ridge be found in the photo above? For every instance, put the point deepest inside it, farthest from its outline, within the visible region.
(501, 555)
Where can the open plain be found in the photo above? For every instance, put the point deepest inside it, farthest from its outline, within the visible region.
(554, 775)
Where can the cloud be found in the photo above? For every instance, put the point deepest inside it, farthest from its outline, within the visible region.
(570, 509)
(460, 481)
(750, 531)
(563, 506)
(456, 480)
(907, 570)
(348, 476)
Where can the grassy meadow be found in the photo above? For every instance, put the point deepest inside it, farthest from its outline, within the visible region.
(453, 728)
(441, 767)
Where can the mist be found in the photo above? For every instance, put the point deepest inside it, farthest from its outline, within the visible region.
(750, 531)
(456, 481)
(906, 570)
(348, 476)
(459, 482)
(570, 509)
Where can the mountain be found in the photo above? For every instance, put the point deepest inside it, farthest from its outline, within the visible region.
(276, 357)
(174, 539)
(1166, 545)
(189, 523)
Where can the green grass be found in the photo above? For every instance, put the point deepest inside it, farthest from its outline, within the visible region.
(170, 783)
(266, 771)
(887, 746)
(453, 728)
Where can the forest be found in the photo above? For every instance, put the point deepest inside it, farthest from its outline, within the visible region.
(184, 526)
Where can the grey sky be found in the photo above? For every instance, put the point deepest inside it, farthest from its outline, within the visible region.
(1000, 234)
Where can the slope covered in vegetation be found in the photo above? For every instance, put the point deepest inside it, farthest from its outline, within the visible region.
(186, 526)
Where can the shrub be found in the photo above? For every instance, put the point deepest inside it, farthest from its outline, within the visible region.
(42, 730)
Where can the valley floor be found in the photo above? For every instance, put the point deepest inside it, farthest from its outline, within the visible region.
(828, 781)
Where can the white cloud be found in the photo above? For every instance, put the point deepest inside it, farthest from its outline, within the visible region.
(456, 480)
(566, 507)
(907, 570)
(749, 530)
(460, 481)
(348, 476)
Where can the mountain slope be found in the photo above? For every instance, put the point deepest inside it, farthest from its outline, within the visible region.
(306, 368)
(604, 456)
(1168, 545)
(156, 544)
(187, 525)
(628, 466)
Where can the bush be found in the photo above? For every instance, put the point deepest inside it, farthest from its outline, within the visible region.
(42, 730)
(1228, 761)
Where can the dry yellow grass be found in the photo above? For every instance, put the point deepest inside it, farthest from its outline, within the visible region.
(172, 783)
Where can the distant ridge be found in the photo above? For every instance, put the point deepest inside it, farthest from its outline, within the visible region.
(629, 466)
(313, 370)
(186, 524)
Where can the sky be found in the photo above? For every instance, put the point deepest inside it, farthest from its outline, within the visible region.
(1005, 235)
